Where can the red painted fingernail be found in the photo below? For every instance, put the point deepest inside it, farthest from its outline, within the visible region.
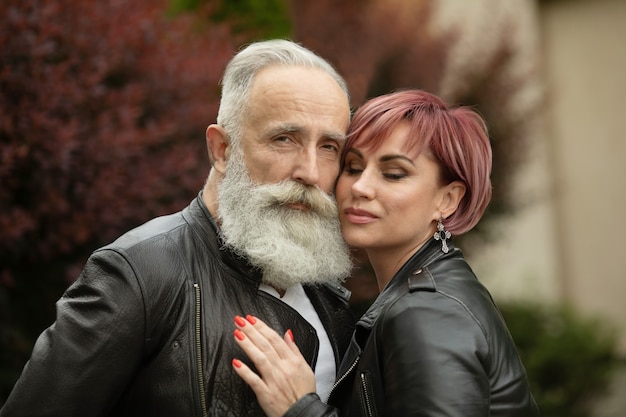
(239, 335)
(240, 321)
(251, 319)
(290, 334)
(236, 363)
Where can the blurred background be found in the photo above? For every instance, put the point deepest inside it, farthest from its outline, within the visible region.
(103, 107)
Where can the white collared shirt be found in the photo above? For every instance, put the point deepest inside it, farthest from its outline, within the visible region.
(325, 370)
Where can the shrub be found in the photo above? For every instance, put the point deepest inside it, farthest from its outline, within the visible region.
(104, 107)
(569, 357)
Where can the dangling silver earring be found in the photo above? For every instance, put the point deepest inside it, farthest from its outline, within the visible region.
(443, 235)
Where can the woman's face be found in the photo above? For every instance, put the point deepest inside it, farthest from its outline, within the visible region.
(389, 198)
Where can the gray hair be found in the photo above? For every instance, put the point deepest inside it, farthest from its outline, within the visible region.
(241, 70)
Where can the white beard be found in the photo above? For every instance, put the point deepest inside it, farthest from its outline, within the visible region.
(290, 246)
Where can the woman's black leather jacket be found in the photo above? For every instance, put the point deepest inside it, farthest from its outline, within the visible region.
(147, 329)
(433, 344)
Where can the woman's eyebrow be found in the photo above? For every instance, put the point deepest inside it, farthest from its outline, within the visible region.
(386, 158)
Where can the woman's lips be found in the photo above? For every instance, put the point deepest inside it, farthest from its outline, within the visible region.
(359, 216)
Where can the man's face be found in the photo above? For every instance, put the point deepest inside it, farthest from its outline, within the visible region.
(275, 206)
(294, 127)
(289, 230)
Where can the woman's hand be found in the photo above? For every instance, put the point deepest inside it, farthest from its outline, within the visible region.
(284, 375)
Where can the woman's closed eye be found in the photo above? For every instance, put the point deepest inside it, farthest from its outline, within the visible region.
(352, 168)
(394, 175)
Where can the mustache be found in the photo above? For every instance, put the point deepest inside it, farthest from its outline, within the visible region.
(293, 192)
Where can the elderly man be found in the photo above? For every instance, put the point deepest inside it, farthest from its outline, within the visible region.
(147, 327)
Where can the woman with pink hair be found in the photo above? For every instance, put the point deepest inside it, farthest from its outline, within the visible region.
(415, 172)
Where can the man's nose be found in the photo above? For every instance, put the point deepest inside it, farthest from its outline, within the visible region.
(306, 169)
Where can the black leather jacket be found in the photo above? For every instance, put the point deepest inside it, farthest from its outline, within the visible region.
(147, 329)
(433, 344)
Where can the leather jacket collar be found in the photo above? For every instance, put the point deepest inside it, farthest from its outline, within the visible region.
(426, 255)
(198, 215)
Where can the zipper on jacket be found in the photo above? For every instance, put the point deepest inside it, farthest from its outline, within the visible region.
(199, 351)
(368, 399)
(344, 376)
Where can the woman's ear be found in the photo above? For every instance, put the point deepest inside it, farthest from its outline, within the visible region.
(218, 147)
(452, 194)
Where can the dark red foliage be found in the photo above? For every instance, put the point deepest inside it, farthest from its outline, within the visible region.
(103, 111)
(103, 107)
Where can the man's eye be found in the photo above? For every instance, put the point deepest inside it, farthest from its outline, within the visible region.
(331, 147)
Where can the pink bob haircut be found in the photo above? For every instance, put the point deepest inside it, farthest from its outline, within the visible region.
(455, 136)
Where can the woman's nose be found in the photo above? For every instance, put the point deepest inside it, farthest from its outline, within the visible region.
(363, 187)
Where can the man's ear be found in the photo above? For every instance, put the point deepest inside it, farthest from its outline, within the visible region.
(452, 194)
(218, 147)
